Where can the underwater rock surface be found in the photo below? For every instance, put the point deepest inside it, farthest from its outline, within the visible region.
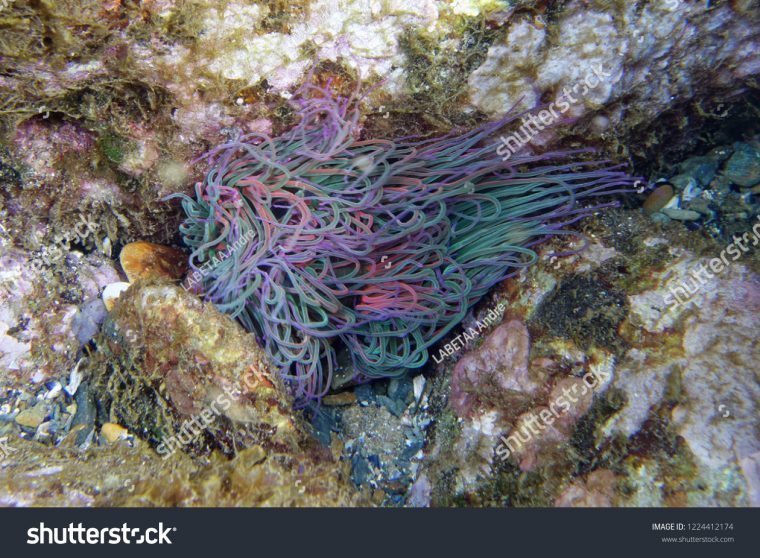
(669, 417)
(180, 376)
(164, 348)
(135, 476)
(623, 374)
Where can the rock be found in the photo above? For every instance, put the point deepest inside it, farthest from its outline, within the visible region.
(340, 399)
(751, 470)
(529, 64)
(691, 191)
(86, 412)
(114, 432)
(569, 400)
(682, 181)
(701, 169)
(706, 358)
(187, 379)
(88, 320)
(196, 357)
(597, 491)
(419, 493)
(659, 198)
(720, 153)
(500, 364)
(212, 379)
(53, 310)
(32, 418)
(400, 389)
(743, 168)
(117, 475)
(393, 405)
(418, 385)
(681, 214)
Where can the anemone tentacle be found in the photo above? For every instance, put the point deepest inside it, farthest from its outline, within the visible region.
(380, 246)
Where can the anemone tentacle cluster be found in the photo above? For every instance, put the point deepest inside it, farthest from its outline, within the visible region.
(378, 246)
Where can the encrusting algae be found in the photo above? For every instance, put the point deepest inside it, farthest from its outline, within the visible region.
(205, 390)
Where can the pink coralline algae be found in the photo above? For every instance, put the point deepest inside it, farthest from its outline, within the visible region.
(597, 491)
(499, 365)
(515, 407)
(44, 145)
(545, 427)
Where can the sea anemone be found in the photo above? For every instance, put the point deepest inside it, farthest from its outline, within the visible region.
(317, 240)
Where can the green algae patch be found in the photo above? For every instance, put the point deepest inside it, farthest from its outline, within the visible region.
(113, 147)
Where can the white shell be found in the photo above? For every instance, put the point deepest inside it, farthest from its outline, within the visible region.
(419, 384)
(55, 391)
(691, 191)
(112, 292)
(674, 203)
(107, 247)
(75, 378)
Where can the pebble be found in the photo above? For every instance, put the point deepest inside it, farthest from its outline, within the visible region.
(85, 415)
(419, 385)
(72, 439)
(106, 250)
(743, 168)
(394, 406)
(701, 169)
(75, 378)
(46, 430)
(340, 399)
(88, 319)
(703, 207)
(721, 153)
(682, 181)
(55, 390)
(691, 191)
(114, 432)
(32, 418)
(681, 214)
(400, 389)
(659, 198)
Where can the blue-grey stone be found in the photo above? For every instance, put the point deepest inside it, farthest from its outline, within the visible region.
(743, 168)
